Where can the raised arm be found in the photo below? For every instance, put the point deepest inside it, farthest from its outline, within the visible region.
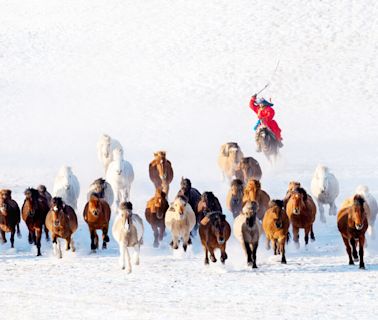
(252, 104)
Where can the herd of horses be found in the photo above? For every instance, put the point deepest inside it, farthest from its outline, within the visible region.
(191, 212)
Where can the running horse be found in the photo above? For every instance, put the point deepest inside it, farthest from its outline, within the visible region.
(161, 172)
(267, 142)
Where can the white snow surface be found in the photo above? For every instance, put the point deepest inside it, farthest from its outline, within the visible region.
(177, 75)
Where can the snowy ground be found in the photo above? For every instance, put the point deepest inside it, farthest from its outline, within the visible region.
(178, 75)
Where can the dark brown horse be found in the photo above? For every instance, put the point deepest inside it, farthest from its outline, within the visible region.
(61, 221)
(43, 192)
(9, 216)
(34, 211)
(214, 232)
(208, 203)
(248, 168)
(352, 223)
(97, 216)
(234, 200)
(301, 211)
(267, 142)
(155, 215)
(161, 172)
(193, 196)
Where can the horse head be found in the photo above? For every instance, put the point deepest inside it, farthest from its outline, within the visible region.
(185, 185)
(322, 176)
(162, 164)
(277, 207)
(209, 202)
(57, 209)
(126, 212)
(179, 205)
(299, 198)
(218, 225)
(252, 189)
(159, 201)
(99, 186)
(250, 211)
(357, 214)
(31, 201)
(105, 145)
(237, 188)
(94, 206)
(118, 159)
(3, 202)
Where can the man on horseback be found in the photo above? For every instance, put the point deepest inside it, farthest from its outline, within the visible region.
(265, 113)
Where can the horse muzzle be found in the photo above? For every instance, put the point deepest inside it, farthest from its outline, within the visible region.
(359, 226)
(56, 223)
(296, 211)
(279, 225)
(31, 214)
(221, 240)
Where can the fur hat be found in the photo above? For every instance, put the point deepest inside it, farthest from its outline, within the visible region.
(264, 102)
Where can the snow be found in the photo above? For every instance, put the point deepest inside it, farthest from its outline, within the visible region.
(178, 75)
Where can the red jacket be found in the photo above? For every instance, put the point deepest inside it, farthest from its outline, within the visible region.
(266, 116)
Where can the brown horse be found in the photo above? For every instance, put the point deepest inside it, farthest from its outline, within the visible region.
(9, 216)
(301, 211)
(352, 223)
(161, 172)
(61, 221)
(253, 192)
(97, 216)
(234, 199)
(193, 196)
(267, 142)
(248, 168)
(214, 232)
(292, 186)
(276, 225)
(34, 211)
(155, 215)
(208, 203)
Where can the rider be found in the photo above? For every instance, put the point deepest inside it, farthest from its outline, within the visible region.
(265, 113)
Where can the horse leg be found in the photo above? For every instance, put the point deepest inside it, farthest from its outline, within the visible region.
(73, 248)
(54, 243)
(248, 253)
(3, 238)
(206, 254)
(38, 237)
(12, 236)
(68, 243)
(312, 235)
(361, 251)
(128, 270)
(156, 235)
(105, 237)
(282, 248)
(275, 246)
(348, 249)
(162, 232)
(321, 211)
(46, 233)
(94, 243)
(332, 209)
(19, 236)
(354, 249)
(296, 236)
(223, 253)
(255, 245)
(267, 243)
(212, 255)
(186, 238)
(59, 249)
(307, 231)
(122, 249)
(136, 253)
(30, 237)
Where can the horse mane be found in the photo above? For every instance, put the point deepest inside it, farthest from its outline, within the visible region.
(34, 193)
(126, 206)
(276, 203)
(99, 181)
(358, 200)
(302, 191)
(237, 183)
(58, 201)
(215, 215)
(185, 182)
(182, 198)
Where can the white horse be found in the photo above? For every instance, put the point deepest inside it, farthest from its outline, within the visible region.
(105, 147)
(180, 219)
(325, 189)
(128, 232)
(228, 160)
(66, 186)
(120, 175)
(373, 206)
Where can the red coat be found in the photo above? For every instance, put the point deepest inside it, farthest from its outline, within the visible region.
(266, 117)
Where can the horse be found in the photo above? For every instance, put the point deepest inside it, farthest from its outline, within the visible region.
(160, 171)
(352, 223)
(44, 193)
(373, 206)
(97, 215)
(234, 199)
(180, 220)
(248, 168)
(10, 216)
(214, 232)
(268, 143)
(128, 231)
(34, 211)
(155, 211)
(276, 225)
(247, 231)
(103, 189)
(61, 221)
(120, 175)
(253, 192)
(208, 203)
(325, 189)
(105, 148)
(229, 157)
(301, 211)
(193, 196)
(66, 186)
(293, 185)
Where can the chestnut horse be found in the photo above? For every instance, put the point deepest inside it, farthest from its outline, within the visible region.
(234, 200)
(301, 211)
(97, 216)
(161, 172)
(276, 225)
(34, 211)
(214, 232)
(352, 223)
(193, 196)
(253, 192)
(155, 215)
(9, 216)
(61, 221)
(208, 203)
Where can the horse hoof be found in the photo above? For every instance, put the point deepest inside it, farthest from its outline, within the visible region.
(213, 259)
(19, 236)
(175, 247)
(283, 261)
(171, 243)
(106, 238)
(156, 244)
(123, 268)
(351, 263)
(206, 261)
(104, 245)
(363, 267)
(190, 241)
(254, 266)
(185, 246)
